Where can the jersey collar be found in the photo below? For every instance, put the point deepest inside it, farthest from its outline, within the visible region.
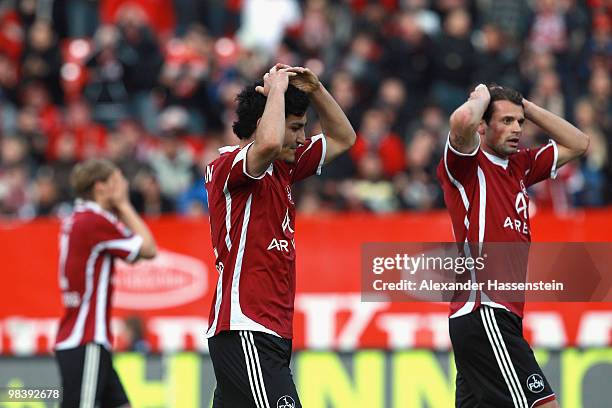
(497, 160)
(228, 149)
(89, 205)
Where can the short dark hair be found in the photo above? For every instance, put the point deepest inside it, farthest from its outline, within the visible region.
(501, 93)
(86, 174)
(251, 105)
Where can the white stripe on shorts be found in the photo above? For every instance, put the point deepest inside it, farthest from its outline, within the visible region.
(502, 357)
(248, 357)
(251, 343)
(89, 382)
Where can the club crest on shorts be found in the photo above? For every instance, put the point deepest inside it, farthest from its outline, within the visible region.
(535, 383)
(285, 402)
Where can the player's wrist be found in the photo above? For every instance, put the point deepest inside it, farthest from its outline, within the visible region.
(528, 108)
(317, 88)
(277, 87)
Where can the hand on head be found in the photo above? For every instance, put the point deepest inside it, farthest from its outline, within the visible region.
(277, 77)
(302, 78)
(481, 91)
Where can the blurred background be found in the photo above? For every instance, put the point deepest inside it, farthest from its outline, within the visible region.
(150, 84)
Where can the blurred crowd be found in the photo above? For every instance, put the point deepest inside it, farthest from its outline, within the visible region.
(151, 86)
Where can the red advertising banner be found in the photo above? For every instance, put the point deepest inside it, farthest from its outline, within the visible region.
(171, 295)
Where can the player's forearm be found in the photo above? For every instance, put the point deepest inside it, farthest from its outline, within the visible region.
(334, 123)
(560, 130)
(128, 215)
(271, 129)
(465, 120)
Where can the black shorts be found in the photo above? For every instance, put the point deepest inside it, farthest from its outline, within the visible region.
(88, 378)
(252, 370)
(495, 365)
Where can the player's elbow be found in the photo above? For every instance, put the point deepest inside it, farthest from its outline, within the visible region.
(347, 138)
(352, 137)
(583, 144)
(461, 120)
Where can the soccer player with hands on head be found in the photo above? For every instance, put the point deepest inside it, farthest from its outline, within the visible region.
(485, 175)
(252, 217)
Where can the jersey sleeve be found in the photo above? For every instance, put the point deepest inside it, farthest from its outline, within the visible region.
(460, 167)
(541, 163)
(114, 238)
(238, 174)
(309, 158)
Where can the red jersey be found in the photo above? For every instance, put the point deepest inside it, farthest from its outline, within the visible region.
(252, 223)
(487, 199)
(90, 239)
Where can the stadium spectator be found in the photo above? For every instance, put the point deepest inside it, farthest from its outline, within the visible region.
(147, 197)
(41, 59)
(129, 147)
(453, 60)
(46, 199)
(547, 93)
(372, 191)
(184, 77)
(592, 175)
(66, 157)
(408, 56)
(106, 89)
(600, 91)
(548, 32)
(393, 100)
(173, 161)
(14, 174)
(361, 62)
(140, 54)
(378, 147)
(495, 60)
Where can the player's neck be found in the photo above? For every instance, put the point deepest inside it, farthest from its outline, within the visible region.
(490, 151)
(244, 142)
(102, 203)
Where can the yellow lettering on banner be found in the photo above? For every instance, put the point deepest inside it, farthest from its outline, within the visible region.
(419, 379)
(574, 366)
(183, 379)
(131, 368)
(324, 381)
(180, 387)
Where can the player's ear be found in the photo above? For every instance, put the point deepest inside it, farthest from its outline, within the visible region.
(482, 127)
(97, 189)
